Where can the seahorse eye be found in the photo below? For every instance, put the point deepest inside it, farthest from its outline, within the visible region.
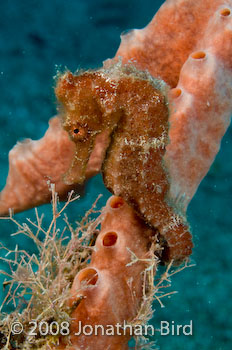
(79, 133)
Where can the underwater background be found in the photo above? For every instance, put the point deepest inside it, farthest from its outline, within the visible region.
(37, 38)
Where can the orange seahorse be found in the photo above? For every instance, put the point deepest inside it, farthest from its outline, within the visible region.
(131, 106)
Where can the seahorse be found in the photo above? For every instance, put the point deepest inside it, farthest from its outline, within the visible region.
(132, 107)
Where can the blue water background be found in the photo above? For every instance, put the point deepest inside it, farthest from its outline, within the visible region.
(35, 38)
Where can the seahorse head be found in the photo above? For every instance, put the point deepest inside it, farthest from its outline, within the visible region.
(87, 102)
